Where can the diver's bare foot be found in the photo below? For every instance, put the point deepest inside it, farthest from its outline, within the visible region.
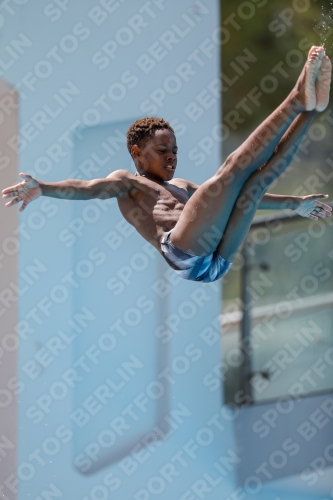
(323, 84)
(306, 83)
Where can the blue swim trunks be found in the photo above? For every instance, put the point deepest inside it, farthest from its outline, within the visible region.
(205, 268)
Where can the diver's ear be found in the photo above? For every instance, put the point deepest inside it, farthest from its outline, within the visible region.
(135, 151)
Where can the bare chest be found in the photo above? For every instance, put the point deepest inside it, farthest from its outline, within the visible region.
(154, 211)
(170, 199)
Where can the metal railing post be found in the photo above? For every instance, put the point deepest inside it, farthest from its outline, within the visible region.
(246, 366)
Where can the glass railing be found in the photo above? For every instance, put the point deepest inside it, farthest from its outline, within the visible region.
(277, 321)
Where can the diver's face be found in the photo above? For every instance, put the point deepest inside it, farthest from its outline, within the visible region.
(158, 157)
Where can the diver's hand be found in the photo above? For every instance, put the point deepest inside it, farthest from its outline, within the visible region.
(310, 206)
(26, 191)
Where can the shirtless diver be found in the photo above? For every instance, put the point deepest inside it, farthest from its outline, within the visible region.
(198, 229)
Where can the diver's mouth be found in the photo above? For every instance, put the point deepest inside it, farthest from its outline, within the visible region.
(169, 168)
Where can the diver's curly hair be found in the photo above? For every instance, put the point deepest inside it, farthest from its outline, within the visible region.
(143, 129)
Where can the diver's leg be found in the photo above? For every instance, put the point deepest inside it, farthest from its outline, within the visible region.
(212, 203)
